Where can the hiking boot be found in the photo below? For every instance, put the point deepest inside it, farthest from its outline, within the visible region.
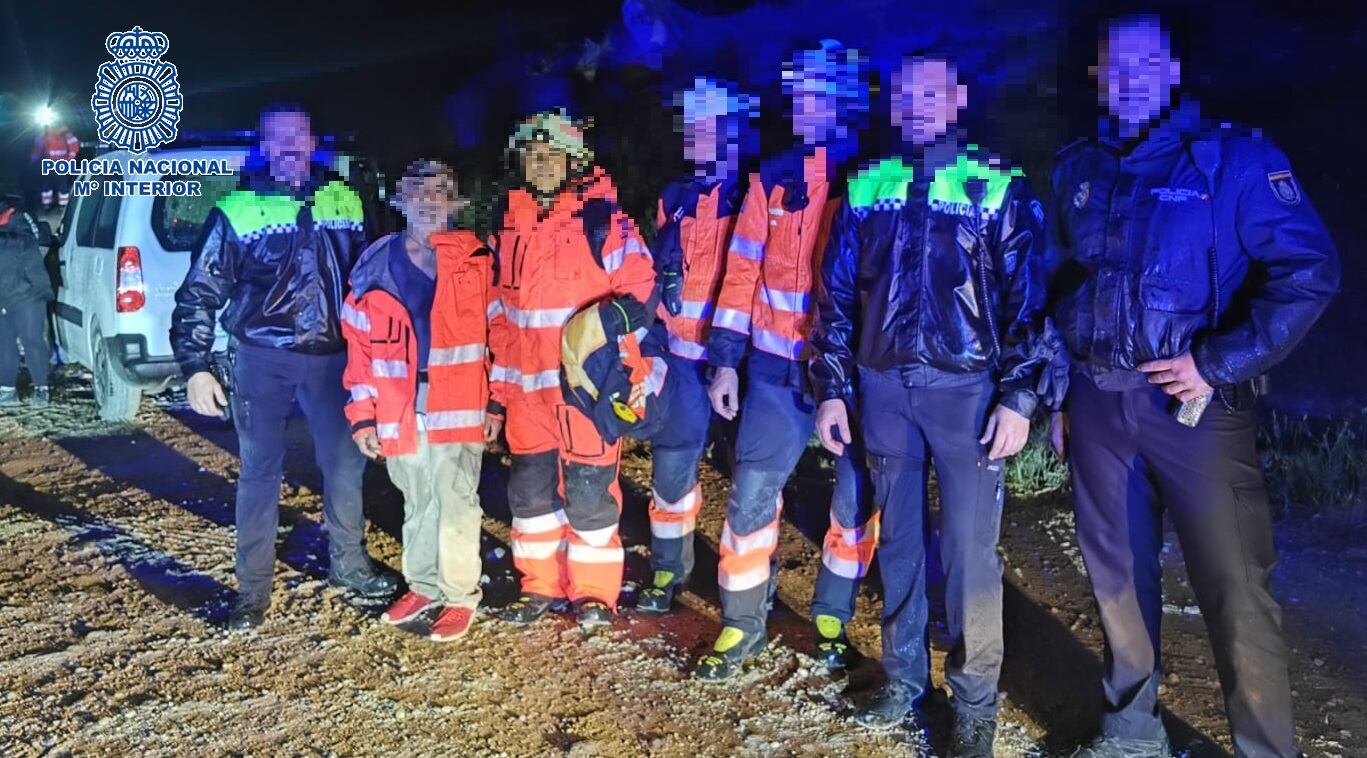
(528, 608)
(366, 581)
(659, 596)
(729, 653)
(452, 624)
(973, 737)
(248, 613)
(591, 613)
(40, 398)
(832, 646)
(9, 396)
(1125, 747)
(890, 706)
(406, 608)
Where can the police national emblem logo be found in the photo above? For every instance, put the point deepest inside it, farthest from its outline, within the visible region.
(1284, 187)
(137, 98)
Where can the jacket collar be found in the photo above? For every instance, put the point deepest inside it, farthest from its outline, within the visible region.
(1178, 125)
(256, 176)
(925, 161)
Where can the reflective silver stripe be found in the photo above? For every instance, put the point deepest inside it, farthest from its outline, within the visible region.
(455, 420)
(355, 317)
(529, 382)
(843, 566)
(537, 550)
(590, 554)
(792, 302)
(747, 248)
(387, 431)
(777, 344)
(655, 381)
(546, 522)
(544, 380)
(363, 392)
(764, 538)
(542, 318)
(687, 349)
(614, 260)
(686, 503)
(697, 309)
(736, 321)
(673, 530)
(389, 369)
(494, 309)
(597, 537)
(745, 580)
(452, 356)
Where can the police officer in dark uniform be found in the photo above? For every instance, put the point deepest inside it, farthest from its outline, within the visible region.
(1185, 263)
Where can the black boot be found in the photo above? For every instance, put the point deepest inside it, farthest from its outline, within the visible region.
(591, 613)
(659, 597)
(973, 737)
(832, 646)
(1119, 747)
(890, 706)
(248, 613)
(365, 580)
(528, 608)
(728, 655)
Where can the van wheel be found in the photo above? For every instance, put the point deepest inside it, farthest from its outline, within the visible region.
(116, 399)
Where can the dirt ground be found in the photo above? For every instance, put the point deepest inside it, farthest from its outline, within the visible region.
(116, 554)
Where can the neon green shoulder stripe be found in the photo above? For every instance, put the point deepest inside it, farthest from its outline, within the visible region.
(884, 181)
(948, 185)
(337, 202)
(250, 213)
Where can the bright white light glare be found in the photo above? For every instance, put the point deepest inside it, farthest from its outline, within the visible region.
(45, 116)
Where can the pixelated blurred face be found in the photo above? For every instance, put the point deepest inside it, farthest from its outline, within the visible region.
(545, 167)
(702, 141)
(814, 115)
(1136, 73)
(926, 100)
(430, 201)
(287, 142)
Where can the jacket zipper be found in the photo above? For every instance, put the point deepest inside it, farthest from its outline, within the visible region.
(982, 281)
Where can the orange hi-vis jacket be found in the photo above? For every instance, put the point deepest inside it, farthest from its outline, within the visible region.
(705, 218)
(56, 144)
(382, 356)
(548, 271)
(772, 264)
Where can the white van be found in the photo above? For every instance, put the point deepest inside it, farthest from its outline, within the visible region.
(120, 261)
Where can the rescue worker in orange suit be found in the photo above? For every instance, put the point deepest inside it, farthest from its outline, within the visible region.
(563, 244)
(55, 143)
(694, 221)
(416, 325)
(766, 307)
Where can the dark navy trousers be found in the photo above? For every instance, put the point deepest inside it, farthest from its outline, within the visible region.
(905, 430)
(267, 382)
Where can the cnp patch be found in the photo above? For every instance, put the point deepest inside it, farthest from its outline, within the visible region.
(1084, 191)
(1284, 187)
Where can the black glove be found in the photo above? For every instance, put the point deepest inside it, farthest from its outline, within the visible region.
(671, 291)
(623, 315)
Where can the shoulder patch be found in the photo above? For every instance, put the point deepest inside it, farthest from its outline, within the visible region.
(1284, 187)
(880, 186)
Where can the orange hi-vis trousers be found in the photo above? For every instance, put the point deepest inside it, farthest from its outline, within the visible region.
(566, 504)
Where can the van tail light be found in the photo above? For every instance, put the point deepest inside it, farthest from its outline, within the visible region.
(129, 293)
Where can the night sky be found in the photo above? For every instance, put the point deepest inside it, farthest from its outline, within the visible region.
(446, 81)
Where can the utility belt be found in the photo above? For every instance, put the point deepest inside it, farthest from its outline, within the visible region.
(1242, 396)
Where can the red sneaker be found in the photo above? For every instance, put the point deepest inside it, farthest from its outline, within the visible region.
(452, 624)
(406, 608)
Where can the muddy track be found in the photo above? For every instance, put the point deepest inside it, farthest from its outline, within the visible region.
(116, 567)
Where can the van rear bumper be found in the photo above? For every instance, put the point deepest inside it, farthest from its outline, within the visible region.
(135, 366)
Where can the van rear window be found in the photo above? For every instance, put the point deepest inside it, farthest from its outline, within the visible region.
(179, 220)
